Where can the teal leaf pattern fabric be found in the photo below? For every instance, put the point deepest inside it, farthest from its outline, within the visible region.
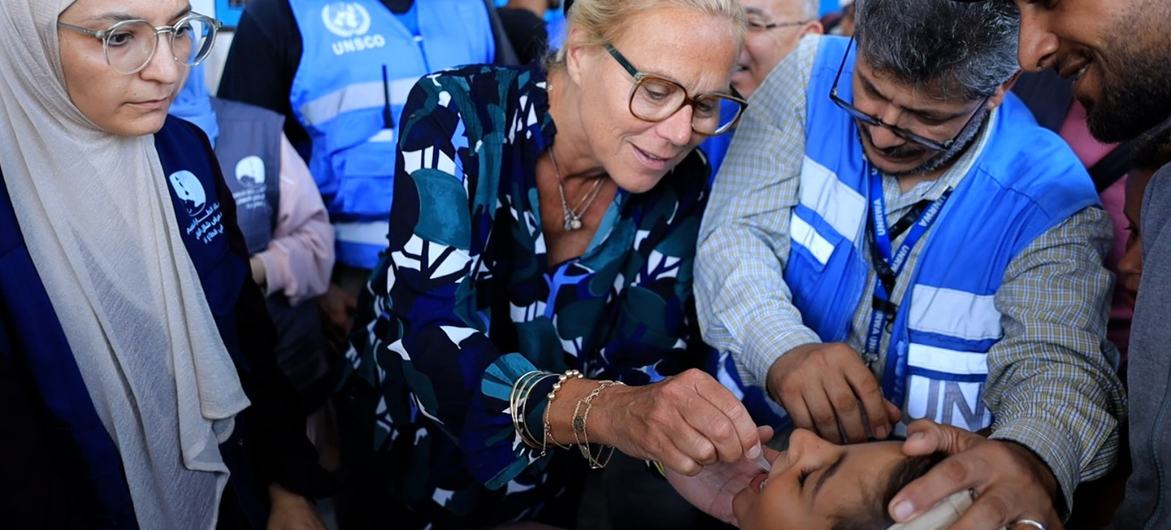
(463, 302)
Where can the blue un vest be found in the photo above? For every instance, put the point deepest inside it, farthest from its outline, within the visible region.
(39, 342)
(338, 94)
(1025, 181)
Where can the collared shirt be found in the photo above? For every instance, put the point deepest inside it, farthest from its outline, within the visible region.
(1049, 385)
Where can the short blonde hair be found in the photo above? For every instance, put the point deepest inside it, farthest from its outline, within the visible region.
(605, 20)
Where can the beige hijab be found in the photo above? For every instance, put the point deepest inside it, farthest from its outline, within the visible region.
(96, 214)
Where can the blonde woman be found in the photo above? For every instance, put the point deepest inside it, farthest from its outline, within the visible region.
(533, 312)
(135, 353)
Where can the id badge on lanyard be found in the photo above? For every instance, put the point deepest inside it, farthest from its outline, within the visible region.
(889, 262)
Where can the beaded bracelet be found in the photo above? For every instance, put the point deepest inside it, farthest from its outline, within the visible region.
(581, 414)
(569, 374)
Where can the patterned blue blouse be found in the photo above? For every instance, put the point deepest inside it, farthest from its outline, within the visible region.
(463, 302)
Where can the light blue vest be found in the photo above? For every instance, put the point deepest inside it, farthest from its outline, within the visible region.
(339, 96)
(1026, 181)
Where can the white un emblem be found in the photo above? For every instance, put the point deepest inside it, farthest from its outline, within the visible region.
(346, 19)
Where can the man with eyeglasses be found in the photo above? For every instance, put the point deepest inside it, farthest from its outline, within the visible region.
(1117, 52)
(893, 238)
(774, 28)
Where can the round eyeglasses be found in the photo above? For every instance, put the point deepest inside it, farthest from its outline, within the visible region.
(657, 98)
(129, 45)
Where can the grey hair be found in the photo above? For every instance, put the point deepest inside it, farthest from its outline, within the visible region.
(950, 49)
(810, 9)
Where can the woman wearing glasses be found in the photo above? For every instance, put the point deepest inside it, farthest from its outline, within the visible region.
(533, 312)
(134, 351)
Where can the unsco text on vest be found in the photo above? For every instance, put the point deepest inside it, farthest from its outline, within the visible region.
(358, 44)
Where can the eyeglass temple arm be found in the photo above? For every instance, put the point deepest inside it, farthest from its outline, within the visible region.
(79, 29)
(630, 69)
(786, 24)
(216, 25)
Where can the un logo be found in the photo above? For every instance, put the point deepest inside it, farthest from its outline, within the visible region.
(346, 19)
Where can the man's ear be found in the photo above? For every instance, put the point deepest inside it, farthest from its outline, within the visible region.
(813, 27)
(1001, 91)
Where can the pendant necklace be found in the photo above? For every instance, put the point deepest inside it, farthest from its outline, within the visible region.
(573, 216)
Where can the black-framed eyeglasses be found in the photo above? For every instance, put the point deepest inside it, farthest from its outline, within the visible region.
(655, 99)
(875, 121)
(129, 45)
(757, 26)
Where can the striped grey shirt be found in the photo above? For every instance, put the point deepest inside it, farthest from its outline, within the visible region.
(1050, 385)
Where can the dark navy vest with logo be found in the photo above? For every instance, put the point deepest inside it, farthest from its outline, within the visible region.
(339, 95)
(31, 333)
(249, 151)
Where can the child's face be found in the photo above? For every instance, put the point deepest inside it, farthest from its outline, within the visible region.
(1130, 266)
(813, 481)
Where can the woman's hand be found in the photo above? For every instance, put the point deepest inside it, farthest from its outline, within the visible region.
(290, 511)
(684, 422)
(713, 489)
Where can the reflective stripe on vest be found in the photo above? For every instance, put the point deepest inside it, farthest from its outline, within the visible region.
(355, 97)
(843, 207)
(950, 334)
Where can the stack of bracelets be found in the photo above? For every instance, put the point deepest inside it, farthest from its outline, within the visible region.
(518, 408)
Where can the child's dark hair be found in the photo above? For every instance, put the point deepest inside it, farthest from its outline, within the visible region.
(872, 514)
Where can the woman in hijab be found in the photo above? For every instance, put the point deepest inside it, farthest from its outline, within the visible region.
(135, 353)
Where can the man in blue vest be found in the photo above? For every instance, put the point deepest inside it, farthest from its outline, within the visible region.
(1116, 52)
(893, 238)
(341, 71)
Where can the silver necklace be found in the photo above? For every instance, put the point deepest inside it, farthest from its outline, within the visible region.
(572, 216)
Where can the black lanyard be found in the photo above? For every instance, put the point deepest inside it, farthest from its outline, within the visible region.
(889, 262)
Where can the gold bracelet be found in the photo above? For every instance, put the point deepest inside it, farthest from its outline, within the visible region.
(528, 434)
(581, 414)
(569, 374)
